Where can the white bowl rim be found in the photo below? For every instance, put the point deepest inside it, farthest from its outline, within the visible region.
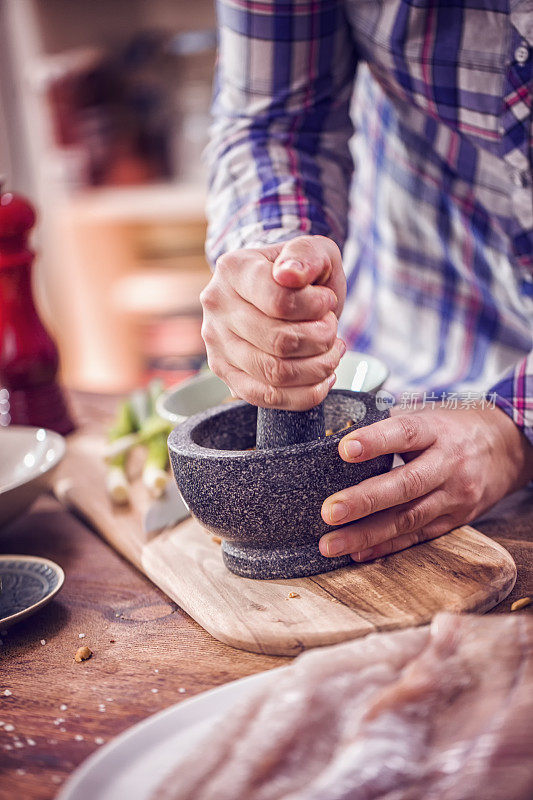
(176, 419)
(160, 403)
(38, 472)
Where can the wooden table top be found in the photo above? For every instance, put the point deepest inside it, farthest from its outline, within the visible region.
(146, 649)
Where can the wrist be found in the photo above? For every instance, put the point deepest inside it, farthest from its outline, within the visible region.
(515, 448)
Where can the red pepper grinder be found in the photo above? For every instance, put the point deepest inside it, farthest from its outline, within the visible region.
(29, 392)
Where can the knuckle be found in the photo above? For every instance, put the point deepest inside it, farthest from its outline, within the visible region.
(409, 520)
(215, 364)
(324, 367)
(271, 396)
(331, 329)
(283, 303)
(208, 297)
(322, 333)
(460, 461)
(285, 342)
(415, 538)
(413, 483)
(364, 540)
(470, 489)
(367, 504)
(276, 371)
(380, 434)
(410, 427)
(225, 262)
(208, 332)
(316, 394)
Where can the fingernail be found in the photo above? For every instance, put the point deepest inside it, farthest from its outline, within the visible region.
(338, 511)
(290, 264)
(336, 545)
(332, 379)
(352, 448)
(341, 345)
(363, 555)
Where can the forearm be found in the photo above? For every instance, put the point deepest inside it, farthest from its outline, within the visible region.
(279, 156)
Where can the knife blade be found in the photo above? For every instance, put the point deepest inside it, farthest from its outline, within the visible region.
(167, 511)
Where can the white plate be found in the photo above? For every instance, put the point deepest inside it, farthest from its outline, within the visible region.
(206, 390)
(135, 763)
(27, 458)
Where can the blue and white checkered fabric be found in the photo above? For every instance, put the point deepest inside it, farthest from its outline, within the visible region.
(436, 219)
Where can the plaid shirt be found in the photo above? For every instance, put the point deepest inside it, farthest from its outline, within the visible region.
(436, 219)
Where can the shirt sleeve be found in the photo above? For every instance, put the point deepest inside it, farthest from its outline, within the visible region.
(514, 395)
(279, 158)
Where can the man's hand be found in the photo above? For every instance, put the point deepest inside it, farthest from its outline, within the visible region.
(270, 322)
(459, 463)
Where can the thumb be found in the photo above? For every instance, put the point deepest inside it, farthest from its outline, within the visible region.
(301, 262)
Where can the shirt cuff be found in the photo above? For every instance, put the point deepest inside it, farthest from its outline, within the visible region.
(514, 395)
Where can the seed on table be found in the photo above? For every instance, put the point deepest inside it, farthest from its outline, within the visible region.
(81, 636)
(31, 742)
(9, 728)
(63, 707)
(7, 693)
(99, 740)
(78, 737)
(43, 641)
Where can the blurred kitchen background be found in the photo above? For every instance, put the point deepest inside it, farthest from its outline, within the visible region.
(104, 114)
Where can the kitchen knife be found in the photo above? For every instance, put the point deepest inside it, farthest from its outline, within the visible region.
(166, 512)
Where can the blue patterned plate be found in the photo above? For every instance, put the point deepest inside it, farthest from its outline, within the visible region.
(27, 584)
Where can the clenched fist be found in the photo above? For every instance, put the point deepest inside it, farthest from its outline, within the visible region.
(270, 322)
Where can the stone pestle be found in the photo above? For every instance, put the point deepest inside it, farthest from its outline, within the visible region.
(277, 428)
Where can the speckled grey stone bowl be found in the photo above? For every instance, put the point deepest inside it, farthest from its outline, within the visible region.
(265, 504)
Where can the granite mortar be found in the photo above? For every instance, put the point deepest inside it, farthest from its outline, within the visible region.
(265, 504)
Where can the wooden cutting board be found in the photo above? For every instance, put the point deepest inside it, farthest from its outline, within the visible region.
(461, 571)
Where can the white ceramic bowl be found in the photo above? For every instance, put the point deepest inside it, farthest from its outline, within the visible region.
(27, 459)
(206, 390)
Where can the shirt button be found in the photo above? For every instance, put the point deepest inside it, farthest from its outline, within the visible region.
(521, 53)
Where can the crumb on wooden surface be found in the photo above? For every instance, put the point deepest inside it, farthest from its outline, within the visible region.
(522, 603)
(82, 654)
(292, 594)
